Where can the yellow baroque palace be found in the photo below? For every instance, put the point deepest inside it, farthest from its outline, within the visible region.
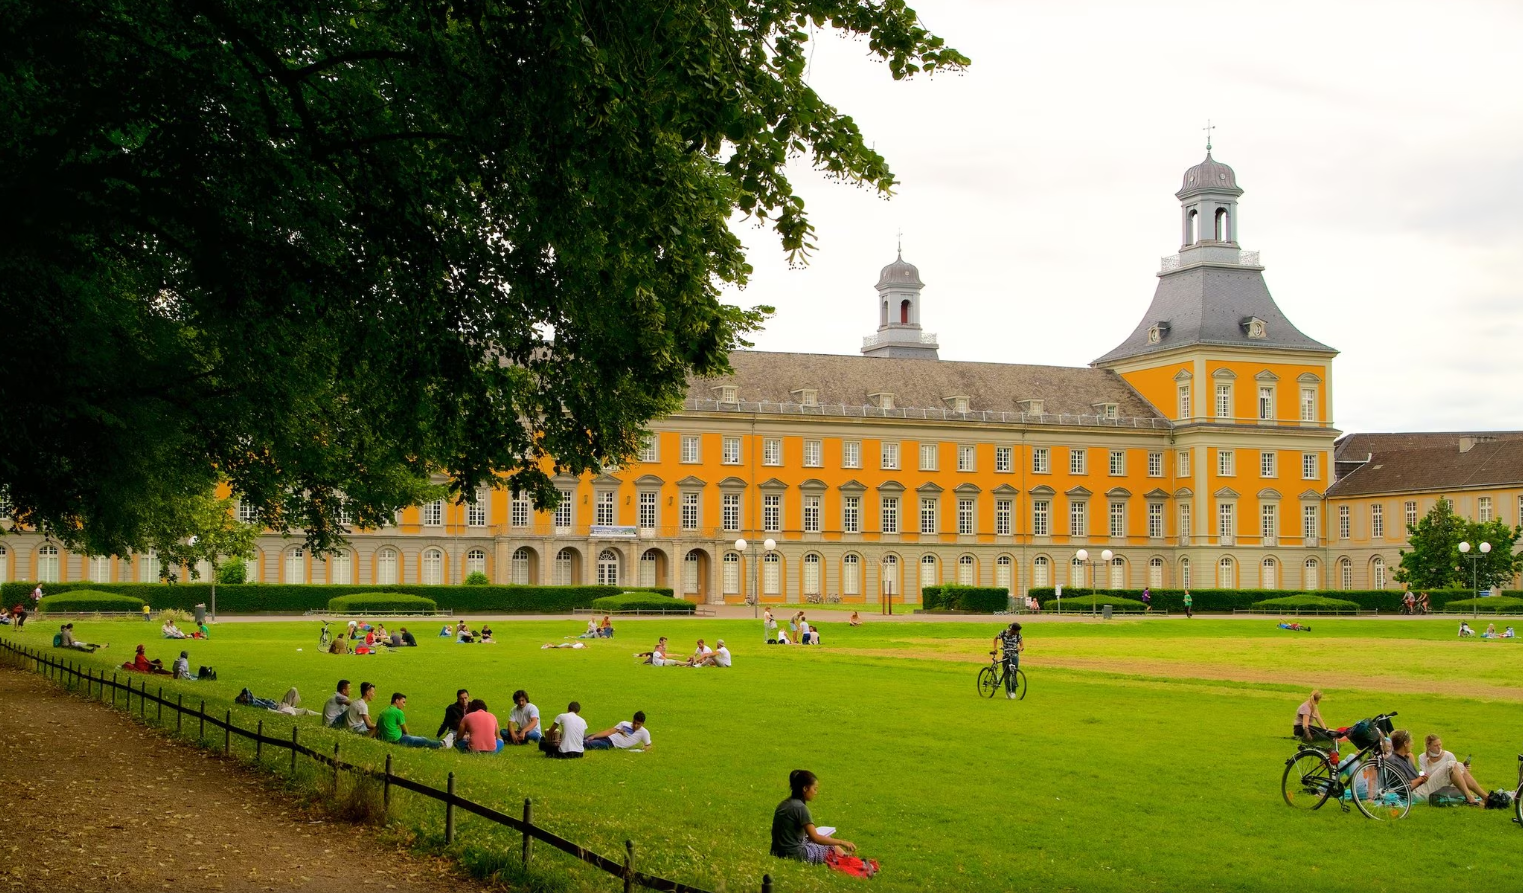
(1201, 452)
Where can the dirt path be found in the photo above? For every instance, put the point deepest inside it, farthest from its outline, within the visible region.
(105, 804)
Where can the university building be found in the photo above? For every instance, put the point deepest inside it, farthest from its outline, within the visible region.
(1199, 452)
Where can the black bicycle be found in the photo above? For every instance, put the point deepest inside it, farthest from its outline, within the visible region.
(1317, 774)
(991, 679)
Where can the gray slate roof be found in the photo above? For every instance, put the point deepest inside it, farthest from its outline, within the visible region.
(900, 272)
(1497, 463)
(991, 387)
(1209, 305)
(1209, 176)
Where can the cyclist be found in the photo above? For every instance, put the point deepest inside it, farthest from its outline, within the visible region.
(1013, 644)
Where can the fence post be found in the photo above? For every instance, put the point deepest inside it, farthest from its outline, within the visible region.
(528, 819)
(449, 812)
(113, 689)
(202, 712)
(629, 866)
(335, 768)
(179, 712)
(227, 734)
(71, 675)
(259, 741)
(160, 706)
(766, 883)
(293, 750)
(386, 785)
(142, 701)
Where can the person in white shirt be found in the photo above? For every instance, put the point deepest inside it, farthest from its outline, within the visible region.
(700, 654)
(719, 657)
(1439, 768)
(335, 707)
(357, 717)
(566, 733)
(523, 722)
(631, 735)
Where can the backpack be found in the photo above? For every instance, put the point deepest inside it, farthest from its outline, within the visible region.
(206, 673)
(1499, 799)
(58, 640)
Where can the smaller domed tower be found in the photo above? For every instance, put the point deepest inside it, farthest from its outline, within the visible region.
(899, 333)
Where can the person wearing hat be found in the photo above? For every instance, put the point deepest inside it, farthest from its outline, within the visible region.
(719, 657)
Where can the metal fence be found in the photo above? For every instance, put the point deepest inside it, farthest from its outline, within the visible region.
(95, 684)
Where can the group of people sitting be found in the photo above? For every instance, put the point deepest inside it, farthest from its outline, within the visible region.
(464, 635)
(64, 638)
(1436, 771)
(469, 725)
(799, 632)
(596, 630)
(362, 638)
(702, 656)
(170, 631)
(1490, 633)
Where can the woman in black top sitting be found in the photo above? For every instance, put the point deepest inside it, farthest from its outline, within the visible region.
(793, 832)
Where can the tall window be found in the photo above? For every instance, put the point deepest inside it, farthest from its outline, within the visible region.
(563, 510)
(1077, 460)
(1078, 518)
(1004, 574)
(811, 513)
(521, 574)
(1378, 567)
(1267, 464)
(475, 562)
(729, 452)
(608, 568)
(1183, 462)
(812, 574)
(1185, 409)
(890, 514)
(1224, 401)
(1269, 522)
(1266, 404)
(647, 510)
(247, 511)
(966, 457)
(433, 513)
(1004, 511)
(851, 574)
(965, 509)
(929, 573)
(1308, 404)
(772, 451)
(730, 505)
(1226, 524)
(1004, 459)
(1309, 524)
(1041, 460)
(929, 453)
(928, 506)
(1409, 511)
(1041, 514)
(967, 570)
(814, 454)
(890, 573)
(147, 569)
(340, 569)
(1076, 573)
(1226, 573)
(1186, 529)
(433, 567)
(1118, 520)
(47, 565)
(1226, 463)
(1309, 575)
(1155, 464)
(1184, 572)
(772, 513)
(386, 569)
(296, 566)
(1269, 574)
(888, 456)
(1041, 572)
(1155, 520)
(730, 573)
(605, 508)
(1346, 573)
(1378, 521)
(98, 568)
(476, 512)
(851, 514)
(650, 561)
(851, 454)
(647, 448)
(1118, 463)
(1343, 522)
(565, 567)
(690, 566)
(1308, 466)
(520, 510)
(690, 448)
(1155, 573)
(1483, 509)
(1118, 573)
(690, 511)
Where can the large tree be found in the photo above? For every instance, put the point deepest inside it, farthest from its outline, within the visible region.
(326, 250)
(1435, 561)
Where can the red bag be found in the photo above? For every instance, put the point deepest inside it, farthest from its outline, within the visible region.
(852, 865)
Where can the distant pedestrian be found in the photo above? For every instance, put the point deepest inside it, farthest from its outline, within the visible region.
(37, 597)
(1189, 605)
(1147, 600)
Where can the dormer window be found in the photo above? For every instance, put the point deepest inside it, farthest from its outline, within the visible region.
(727, 393)
(882, 400)
(807, 396)
(1157, 331)
(1031, 406)
(957, 403)
(1107, 410)
(1256, 328)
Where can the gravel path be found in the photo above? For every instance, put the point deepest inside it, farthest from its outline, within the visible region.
(105, 804)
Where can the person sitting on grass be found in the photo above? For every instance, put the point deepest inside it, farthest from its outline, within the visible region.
(486, 635)
(719, 657)
(454, 713)
(700, 655)
(1465, 630)
(794, 835)
(632, 735)
(656, 657)
(141, 664)
(1508, 633)
(181, 667)
(335, 707)
(855, 620)
(170, 631)
(357, 717)
(381, 635)
(391, 725)
(479, 731)
(1437, 772)
(407, 639)
(591, 631)
(463, 634)
(808, 635)
(605, 629)
(1491, 631)
(523, 722)
(1309, 725)
(66, 640)
(201, 631)
(564, 741)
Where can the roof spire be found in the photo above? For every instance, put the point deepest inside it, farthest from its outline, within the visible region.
(1208, 128)
(901, 243)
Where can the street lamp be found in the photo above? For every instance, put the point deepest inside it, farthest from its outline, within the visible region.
(1082, 557)
(213, 565)
(755, 598)
(1475, 586)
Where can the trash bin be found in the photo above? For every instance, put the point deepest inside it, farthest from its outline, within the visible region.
(1105, 612)
(201, 614)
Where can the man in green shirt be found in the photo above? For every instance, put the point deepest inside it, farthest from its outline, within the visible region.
(391, 726)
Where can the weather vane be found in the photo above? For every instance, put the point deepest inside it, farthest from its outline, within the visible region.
(1208, 128)
(901, 241)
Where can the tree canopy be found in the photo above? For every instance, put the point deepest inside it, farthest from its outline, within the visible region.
(1435, 561)
(327, 250)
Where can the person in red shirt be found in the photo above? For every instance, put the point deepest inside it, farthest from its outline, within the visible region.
(479, 729)
(141, 664)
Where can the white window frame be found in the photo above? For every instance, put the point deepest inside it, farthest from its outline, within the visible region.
(648, 451)
(772, 451)
(729, 452)
(888, 456)
(565, 510)
(1269, 464)
(1226, 519)
(1309, 466)
(1186, 407)
(521, 510)
(851, 454)
(1155, 464)
(812, 512)
(1117, 519)
(1226, 463)
(433, 513)
(1409, 511)
(1310, 521)
(1483, 509)
(930, 510)
(888, 514)
(814, 454)
(1078, 461)
(1004, 459)
(967, 457)
(1182, 463)
(967, 513)
(606, 508)
(692, 449)
(1345, 523)
(476, 512)
(1041, 460)
(1041, 517)
(1308, 403)
(730, 511)
(1118, 463)
(1269, 523)
(1041, 571)
(1004, 517)
(729, 577)
(1377, 521)
(772, 512)
(689, 514)
(1224, 401)
(1155, 520)
(930, 456)
(1078, 518)
(1266, 403)
(851, 514)
(645, 516)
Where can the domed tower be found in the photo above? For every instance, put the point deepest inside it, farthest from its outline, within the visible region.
(899, 333)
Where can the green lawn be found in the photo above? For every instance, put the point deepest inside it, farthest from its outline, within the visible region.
(1147, 755)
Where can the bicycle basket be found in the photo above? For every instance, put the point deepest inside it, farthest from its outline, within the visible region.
(1384, 724)
(1364, 733)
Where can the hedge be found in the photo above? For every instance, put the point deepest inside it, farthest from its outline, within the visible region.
(381, 603)
(1226, 600)
(82, 601)
(643, 601)
(1089, 603)
(1308, 602)
(290, 598)
(973, 599)
(1492, 605)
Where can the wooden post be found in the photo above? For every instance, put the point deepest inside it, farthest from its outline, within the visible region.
(293, 750)
(528, 820)
(259, 741)
(386, 785)
(629, 866)
(335, 768)
(227, 734)
(766, 883)
(449, 812)
(160, 706)
(113, 689)
(202, 733)
(142, 701)
(179, 712)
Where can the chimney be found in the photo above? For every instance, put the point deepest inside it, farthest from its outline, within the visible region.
(1468, 442)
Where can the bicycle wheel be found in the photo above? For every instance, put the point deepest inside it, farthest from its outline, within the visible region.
(988, 682)
(1308, 780)
(1020, 685)
(1380, 792)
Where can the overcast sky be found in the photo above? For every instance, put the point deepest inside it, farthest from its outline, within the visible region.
(1380, 147)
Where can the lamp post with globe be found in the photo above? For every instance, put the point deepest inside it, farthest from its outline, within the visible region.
(1483, 549)
(755, 595)
(1082, 557)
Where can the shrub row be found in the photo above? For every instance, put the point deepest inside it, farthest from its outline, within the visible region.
(381, 603)
(955, 597)
(251, 598)
(1086, 604)
(1308, 603)
(1492, 605)
(83, 601)
(1225, 600)
(643, 601)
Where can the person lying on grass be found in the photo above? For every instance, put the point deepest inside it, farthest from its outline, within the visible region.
(563, 645)
(1295, 627)
(632, 735)
(794, 835)
(66, 640)
(656, 657)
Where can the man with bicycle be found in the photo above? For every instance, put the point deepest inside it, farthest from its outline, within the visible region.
(1010, 641)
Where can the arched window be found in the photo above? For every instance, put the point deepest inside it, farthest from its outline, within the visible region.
(772, 573)
(891, 575)
(904, 312)
(730, 573)
(253, 567)
(1076, 574)
(851, 574)
(883, 317)
(100, 569)
(1041, 572)
(475, 562)
(386, 567)
(608, 568)
(929, 572)
(47, 565)
(1269, 575)
(1345, 573)
(812, 574)
(1118, 572)
(1223, 225)
(147, 567)
(1155, 572)
(341, 569)
(1378, 569)
(433, 568)
(648, 563)
(1226, 573)
(691, 565)
(1309, 574)
(1184, 573)
(565, 567)
(1192, 228)
(1004, 574)
(967, 570)
(296, 565)
(520, 566)
(5, 564)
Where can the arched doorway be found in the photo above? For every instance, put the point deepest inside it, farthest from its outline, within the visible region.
(608, 568)
(695, 575)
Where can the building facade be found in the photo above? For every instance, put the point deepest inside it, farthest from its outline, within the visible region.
(1199, 452)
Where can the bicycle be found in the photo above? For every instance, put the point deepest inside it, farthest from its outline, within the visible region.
(1517, 795)
(325, 638)
(991, 679)
(1315, 775)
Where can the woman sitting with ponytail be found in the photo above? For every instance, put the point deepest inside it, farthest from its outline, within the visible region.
(793, 832)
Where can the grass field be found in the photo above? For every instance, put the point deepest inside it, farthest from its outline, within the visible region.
(1146, 757)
